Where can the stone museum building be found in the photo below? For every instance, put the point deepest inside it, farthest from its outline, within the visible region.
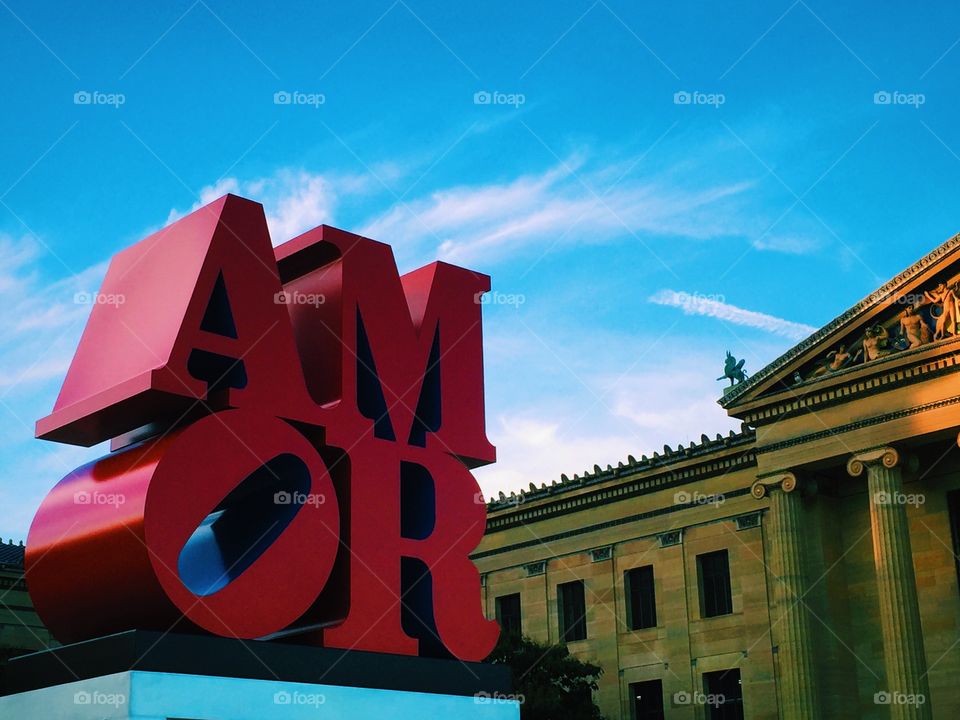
(804, 567)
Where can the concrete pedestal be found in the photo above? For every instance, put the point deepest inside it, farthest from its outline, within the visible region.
(140, 695)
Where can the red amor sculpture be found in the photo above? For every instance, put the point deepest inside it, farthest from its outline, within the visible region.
(293, 430)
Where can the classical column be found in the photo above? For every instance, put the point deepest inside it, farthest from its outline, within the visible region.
(792, 623)
(907, 687)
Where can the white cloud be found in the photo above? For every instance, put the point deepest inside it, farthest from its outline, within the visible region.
(635, 414)
(42, 320)
(43, 369)
(670, 406)
(564, 204)
(294, 200)
(39, 330)
(789, 244)
(695, 304)
(16, 258)
(533, 448)
(558, 407)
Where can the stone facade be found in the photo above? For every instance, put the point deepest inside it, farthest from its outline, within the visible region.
(838, 506)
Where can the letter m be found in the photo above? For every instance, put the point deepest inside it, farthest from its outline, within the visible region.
(401, 357)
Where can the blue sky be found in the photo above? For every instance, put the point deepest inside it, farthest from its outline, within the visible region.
(649, 185)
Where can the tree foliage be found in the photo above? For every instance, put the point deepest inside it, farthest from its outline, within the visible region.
(554, 684)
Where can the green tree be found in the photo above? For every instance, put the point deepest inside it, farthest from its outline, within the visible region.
(554, 684)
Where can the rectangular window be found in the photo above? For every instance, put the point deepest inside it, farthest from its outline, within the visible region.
(714, 571)
(571, 611)
(641, 598)
(724, 695)
(647, 700)
(508, 613)
(953, 506)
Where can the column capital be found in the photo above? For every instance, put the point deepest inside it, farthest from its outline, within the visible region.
(786, 481)
(887, 456)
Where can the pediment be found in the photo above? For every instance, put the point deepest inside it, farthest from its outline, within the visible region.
(910, 318)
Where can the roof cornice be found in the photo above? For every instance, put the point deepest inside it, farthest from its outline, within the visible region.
(640, 477)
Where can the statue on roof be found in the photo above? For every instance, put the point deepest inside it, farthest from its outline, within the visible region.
(733, 370)
(944, 298)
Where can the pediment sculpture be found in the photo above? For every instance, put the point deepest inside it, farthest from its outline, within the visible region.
(926, 317)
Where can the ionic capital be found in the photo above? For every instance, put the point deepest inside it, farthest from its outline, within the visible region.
(785, 481)
(888, 457)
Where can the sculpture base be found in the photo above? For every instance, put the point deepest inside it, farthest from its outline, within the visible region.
(139, 695)
(156, 652)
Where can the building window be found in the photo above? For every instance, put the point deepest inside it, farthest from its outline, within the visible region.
(714, 571)
(508, 613)
(641, 598)
(647, 700)
(724, 694)
(953, 506)
(572, 611)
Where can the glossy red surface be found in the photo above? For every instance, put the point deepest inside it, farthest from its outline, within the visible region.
(347, 385)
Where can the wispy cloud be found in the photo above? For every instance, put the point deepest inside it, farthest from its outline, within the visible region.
(789, 244)
(607, 416)
(565, 204)
(39, 329)
(532, 447)
(695, 304)
(294, 200)
(41, 319)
